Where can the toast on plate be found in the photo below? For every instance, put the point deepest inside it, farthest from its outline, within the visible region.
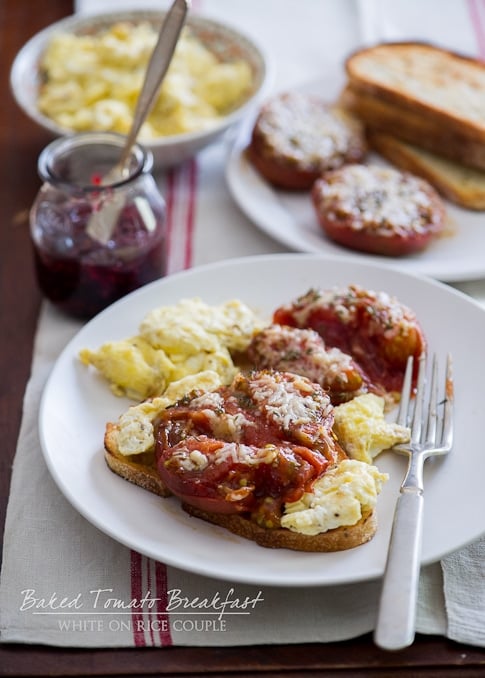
(464, 186)
(442, 87)
(413, 128)
(266, 430)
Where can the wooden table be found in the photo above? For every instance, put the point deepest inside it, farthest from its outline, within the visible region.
(20, 144)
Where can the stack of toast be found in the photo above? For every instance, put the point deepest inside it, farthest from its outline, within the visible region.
(423, 108)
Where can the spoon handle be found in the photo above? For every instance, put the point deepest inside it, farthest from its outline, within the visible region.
(156, 69)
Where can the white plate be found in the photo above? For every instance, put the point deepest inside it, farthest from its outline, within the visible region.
(289, 217)
(77, 404)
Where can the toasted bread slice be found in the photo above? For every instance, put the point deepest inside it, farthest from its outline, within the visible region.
(338, 539)
(138, 469)
(141, 470)
(444, 87)
(462, 185)
(413, 127)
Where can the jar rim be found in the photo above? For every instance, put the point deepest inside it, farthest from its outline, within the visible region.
(142, 156)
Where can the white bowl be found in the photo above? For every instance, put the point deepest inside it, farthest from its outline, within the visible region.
(227, 42)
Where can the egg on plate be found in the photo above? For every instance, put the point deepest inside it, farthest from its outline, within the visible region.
(175, 341)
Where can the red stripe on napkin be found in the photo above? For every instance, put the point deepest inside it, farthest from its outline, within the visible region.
(163, 618)
(149, 589)
(169, 207)
(136, 593)
(477, 14)
(190, 222)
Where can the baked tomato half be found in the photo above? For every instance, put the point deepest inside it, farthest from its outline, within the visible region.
(249, 447)
(378, 210)
(228, 477)
(297, 136)
(303, 351)
(378, 331)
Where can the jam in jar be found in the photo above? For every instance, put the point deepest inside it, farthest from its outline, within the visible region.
(95, 242)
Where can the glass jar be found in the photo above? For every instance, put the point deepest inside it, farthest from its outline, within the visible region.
(94, 243)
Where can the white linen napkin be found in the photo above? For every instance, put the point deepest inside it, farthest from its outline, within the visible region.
(63, 582)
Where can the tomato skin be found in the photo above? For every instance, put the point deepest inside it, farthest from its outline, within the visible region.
(396, 245)
(230, 487)
(208, 488)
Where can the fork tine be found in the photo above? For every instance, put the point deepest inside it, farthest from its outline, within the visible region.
(416, 425)
(431, 424)
(402, 414)
(447, 434)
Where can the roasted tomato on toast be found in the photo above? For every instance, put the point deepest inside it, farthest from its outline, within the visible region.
(249, 447)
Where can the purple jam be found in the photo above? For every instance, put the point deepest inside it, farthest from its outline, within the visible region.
(82, 276)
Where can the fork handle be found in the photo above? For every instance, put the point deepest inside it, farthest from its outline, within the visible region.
(395, 626)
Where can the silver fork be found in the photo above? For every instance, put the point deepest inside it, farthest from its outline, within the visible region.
(430, 416)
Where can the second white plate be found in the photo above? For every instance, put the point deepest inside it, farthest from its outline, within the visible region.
(290, 219)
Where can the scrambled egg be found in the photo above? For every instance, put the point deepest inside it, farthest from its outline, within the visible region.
(187, 338)
(339, 497)
(344, 493)
(132, 366)
(92, 82)
(362, 430)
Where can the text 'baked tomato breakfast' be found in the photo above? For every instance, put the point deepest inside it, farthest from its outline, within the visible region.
(276, 443)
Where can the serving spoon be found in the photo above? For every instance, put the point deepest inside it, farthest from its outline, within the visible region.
(157, 68)
(103, 221)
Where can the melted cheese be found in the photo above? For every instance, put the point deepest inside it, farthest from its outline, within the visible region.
(292, 349)
(285, 402)
(380, 199)
(386, 314)
(339, 498)
(319, 137)
(236, 453)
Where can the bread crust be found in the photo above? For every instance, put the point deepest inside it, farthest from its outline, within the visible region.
(398, 72)
(146, 476)
(338, 539)
(409, 125)
(462, 185)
